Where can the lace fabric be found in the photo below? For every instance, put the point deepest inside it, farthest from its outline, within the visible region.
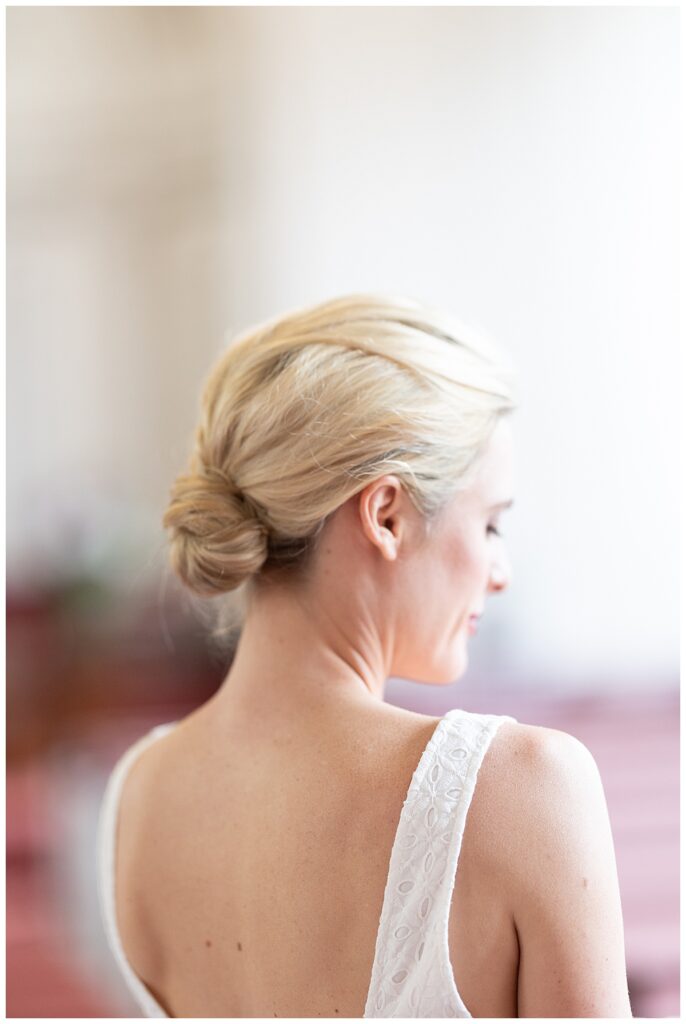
(412, 974)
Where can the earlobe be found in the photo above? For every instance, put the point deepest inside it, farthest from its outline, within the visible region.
(390, 548)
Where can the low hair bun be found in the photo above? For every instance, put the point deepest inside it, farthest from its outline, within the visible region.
(218, 538)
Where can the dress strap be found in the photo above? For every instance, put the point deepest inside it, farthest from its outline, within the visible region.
(412, 974)
(106, 865)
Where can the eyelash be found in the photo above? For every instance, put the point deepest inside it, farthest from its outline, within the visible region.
(492, 529)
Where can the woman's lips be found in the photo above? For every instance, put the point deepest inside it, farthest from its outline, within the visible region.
(473, 623)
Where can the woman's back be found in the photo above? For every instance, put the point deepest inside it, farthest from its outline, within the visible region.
(253, 859)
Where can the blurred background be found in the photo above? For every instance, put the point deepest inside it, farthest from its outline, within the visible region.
(175, 174)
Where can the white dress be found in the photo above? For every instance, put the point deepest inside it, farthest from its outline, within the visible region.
(412, 975)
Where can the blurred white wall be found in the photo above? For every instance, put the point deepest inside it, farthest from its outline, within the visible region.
(177, 173)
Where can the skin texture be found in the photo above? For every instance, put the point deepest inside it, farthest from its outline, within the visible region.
(254, 839)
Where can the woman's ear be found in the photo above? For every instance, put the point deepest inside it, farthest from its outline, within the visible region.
(382, 510)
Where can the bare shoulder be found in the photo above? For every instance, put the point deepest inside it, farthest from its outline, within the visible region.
(535, 747)
(551, 778)
(148, 759)
(555, 852)
(520, 760)
(538, 787)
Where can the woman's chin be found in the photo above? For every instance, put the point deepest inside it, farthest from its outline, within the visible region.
(451, 672)
(449, 669)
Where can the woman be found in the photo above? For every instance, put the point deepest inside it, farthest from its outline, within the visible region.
(297, 847)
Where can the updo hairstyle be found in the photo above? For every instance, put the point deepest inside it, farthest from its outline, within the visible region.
(302, 411)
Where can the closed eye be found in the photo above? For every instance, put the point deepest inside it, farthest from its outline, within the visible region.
(492, 529)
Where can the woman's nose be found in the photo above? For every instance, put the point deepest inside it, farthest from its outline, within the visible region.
(500, 575)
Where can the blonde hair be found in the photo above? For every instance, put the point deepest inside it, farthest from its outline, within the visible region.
(302, 411)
